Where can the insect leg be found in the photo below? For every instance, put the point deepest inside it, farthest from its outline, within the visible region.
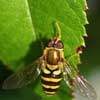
(66, 78)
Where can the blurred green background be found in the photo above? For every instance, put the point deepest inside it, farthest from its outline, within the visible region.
(90, 67)
(90, 58)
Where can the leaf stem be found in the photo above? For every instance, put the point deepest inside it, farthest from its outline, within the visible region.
(58, 30)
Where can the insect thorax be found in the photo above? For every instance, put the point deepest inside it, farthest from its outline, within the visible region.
(53, 55)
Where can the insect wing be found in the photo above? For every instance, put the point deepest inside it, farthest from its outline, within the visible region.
(66, 74)
(22, 78)
(85, 88)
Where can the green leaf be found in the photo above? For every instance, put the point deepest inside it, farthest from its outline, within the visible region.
(16, 31)
(24, 23)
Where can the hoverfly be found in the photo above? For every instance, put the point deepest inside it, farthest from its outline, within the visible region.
(51, 65)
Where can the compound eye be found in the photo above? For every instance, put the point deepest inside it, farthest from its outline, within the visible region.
(50, 44)
(59, 44)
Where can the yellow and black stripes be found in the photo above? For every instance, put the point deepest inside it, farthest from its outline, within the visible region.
(50, 82)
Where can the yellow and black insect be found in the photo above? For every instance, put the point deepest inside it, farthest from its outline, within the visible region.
(51, 66)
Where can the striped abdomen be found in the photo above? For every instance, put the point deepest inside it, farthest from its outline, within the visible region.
(51, 80)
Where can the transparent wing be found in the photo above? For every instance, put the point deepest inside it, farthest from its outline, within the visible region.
(22, 78)
(85, 88)
(66, 73)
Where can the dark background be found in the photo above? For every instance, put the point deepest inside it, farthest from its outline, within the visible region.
(90, 67)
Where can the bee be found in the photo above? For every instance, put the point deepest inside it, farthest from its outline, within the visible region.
(52, 65)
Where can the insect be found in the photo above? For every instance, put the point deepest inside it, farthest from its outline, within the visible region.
(51, 66)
